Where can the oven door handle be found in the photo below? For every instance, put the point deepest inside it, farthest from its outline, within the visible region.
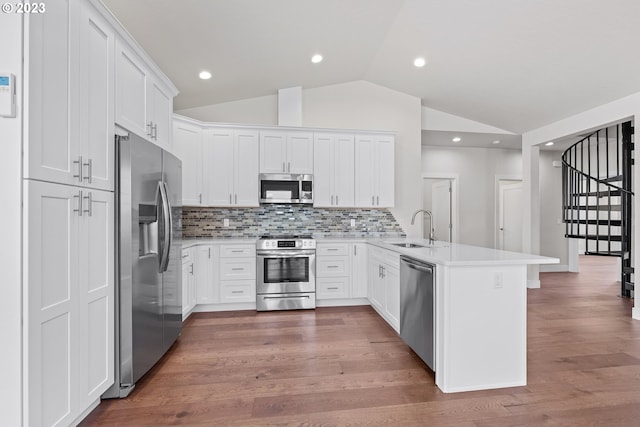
(285, 254)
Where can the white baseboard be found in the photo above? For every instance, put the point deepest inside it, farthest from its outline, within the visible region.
(341, 302)
(635, 313)
(554, 268)
(225, 307)
(533, 284)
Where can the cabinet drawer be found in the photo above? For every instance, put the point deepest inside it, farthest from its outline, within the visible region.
(335, 287)
(238, 269)
(332, 249)
(238, 291)
(332, 266)
(234, 251)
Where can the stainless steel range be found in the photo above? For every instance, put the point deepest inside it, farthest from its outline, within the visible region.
(286, 273)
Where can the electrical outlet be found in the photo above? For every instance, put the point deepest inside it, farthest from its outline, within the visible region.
(353, 222)
(225, 222)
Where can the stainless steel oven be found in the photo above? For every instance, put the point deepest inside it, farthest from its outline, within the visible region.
(286, 273)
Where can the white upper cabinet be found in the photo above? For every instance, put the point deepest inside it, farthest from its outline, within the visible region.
(231, 167)
(160, 112)
(333, 170)
(188, 147)
(143, 105)
(286, 152)
(131, 91)
(70, 104)
(374, 171)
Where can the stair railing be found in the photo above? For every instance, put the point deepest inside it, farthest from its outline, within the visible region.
(596, 196)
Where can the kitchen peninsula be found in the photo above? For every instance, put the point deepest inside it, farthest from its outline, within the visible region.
(480, 313)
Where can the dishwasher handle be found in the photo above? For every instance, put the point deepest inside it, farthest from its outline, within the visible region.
(417, 265)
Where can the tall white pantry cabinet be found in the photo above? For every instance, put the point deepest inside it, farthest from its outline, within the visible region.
(70, 80)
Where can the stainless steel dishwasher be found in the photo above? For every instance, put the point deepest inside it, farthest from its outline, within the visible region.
(417, 309)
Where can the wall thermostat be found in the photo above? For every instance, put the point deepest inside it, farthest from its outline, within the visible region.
(7, 95)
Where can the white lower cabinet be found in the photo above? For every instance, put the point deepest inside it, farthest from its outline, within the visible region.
(237, 273)
(69, 297)
(359, 270)
(206, 272)
(384, 284)
(188, 281)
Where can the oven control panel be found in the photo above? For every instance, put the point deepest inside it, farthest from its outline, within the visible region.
(286, 244)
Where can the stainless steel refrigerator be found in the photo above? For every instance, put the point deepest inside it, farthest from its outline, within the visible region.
(149, 245)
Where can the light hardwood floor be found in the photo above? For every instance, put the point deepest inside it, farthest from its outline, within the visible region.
(345, 366)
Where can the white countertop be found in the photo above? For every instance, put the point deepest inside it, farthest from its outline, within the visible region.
(442, 253)
(456, 254)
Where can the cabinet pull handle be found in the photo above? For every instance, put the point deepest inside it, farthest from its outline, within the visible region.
(237, 292)
(149, 129)
(237, 251)
(355, 250)
(379, 270)
(191, 272)
(332, 199)
(79, 197)
(229, 198)
(332, 249)
(332, 288)
(80, 165)
(237, 269)
(89, 166)
(384, 274)
(90, 203)
(209, 253)
(283, 168)
(333, 266)
(373, 202)
(185, 255)
(200, 197)
(236, 198)
(154, 132)
(378, 200)
(289, 167)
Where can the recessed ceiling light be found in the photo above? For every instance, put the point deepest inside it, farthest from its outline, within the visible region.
(419, 62)
(548, 144)
(316, 58)
(204, 75)
(497, 141)
(457, 139)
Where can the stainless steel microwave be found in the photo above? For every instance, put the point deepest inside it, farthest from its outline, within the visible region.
(286, 188)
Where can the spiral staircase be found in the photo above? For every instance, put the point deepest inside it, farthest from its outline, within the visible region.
(597, 195)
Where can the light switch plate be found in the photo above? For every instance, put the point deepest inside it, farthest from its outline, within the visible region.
(225, 222)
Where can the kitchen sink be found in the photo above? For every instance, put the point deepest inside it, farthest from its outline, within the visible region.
(408, 245)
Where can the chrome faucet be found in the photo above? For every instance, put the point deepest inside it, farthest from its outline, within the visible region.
(432, 232)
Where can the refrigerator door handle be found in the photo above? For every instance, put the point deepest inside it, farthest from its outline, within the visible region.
(163, 243)
(169, 226)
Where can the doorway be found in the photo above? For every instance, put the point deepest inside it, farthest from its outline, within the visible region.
(509, 236)
(439, 196)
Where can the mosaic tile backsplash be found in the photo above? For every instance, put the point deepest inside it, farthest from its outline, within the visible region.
(287, 219)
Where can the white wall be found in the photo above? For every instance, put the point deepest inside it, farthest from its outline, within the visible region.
(259, 111)
(353, 105)
(11, 248)
(552, 240)
(477, 169)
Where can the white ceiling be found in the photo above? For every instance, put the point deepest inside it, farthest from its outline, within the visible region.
(512, 64)
(471, 139)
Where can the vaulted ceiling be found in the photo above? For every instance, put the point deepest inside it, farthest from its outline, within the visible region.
(512, 64)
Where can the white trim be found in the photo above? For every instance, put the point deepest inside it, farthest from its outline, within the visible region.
(635, 313)
(533, 284)
(86, 412)
(206, 125)
(573, 253)
(224, 307)
(557, 268)
(455, 199)
(343, 302)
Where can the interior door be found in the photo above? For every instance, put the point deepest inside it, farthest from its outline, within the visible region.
(441, 211)
(510, 217)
